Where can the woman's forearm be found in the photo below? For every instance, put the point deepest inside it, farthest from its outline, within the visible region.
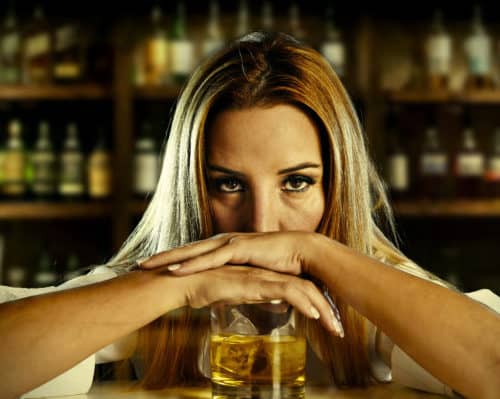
(450, 335)
(50, 333)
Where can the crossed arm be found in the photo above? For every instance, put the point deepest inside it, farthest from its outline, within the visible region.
(444, 331)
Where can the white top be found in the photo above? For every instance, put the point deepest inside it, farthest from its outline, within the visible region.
(78, 379)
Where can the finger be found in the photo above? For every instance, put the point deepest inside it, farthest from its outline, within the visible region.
(319, 306)
(328, 316)
(233, 252)
(240, 250)
(184, 252)
(293, 290)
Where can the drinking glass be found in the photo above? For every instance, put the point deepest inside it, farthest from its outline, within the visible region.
(257, 351)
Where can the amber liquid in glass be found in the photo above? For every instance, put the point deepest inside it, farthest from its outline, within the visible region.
(262, 362)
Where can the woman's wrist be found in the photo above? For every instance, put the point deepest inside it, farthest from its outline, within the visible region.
(167, 290)
(325, 259)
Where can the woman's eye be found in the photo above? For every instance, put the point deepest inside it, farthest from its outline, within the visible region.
(298, 183)
(228, 185)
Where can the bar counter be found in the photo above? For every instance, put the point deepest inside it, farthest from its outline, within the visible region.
(122, 391)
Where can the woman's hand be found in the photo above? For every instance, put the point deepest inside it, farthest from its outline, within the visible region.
(240, 284)
(284, 252)
(287, 253)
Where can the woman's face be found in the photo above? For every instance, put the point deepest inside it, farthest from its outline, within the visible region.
(264, 170)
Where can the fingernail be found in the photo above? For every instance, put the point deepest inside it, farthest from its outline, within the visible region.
(141, 261)
(314, 312)
(337, 325)
(174, 267)
(276, 301)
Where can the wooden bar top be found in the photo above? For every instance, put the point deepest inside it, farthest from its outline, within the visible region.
(122, 391)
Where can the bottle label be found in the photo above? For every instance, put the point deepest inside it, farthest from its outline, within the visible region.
(439, 54)
(14, 167)
(10, 74)
(210, 46)
(72, 179)
(99, 176)
(67, 70)
(470, 165)
(335, 54)
(493, 172)
(10, 45)
(44, 173)
(478, 52)
(398, 172)
(157, 52)
(36, 45)
(146, 173)
(181, 57)
(65, 37)
(433, 164)
(45, 278)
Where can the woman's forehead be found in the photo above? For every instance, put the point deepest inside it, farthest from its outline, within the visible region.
(278, 136)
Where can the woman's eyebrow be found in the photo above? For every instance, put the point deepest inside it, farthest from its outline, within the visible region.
(304, 165)
(218, 168)
(300, 166)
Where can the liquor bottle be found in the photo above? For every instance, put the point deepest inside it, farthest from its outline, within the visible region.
(492, 175)
(469, 166)
(15, 162)
(10, 50)
(156, 51)
(37, 50)
(438, 52)
(99, 169)
(214, 39)
(333, 48)
(242, 19)
(478, 53)
(69, 54)
(267, 18)
(433, 165)
(44, 165)
(146, 163)
(294, 22)
(72, 267)
(398, 170)
(45, 275)
(72, 177)
(181, 52)
(16, 276)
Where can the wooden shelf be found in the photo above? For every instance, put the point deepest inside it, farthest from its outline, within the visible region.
(167, 92)
(423, 96)
(453, 208)
(54, 210)
(54, 92)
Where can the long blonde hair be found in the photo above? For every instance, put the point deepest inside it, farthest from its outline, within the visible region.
(261, 69)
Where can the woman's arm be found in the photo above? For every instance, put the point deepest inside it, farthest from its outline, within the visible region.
(42, 336)
(453, 337)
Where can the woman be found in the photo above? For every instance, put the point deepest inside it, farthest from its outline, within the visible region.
(266, 148)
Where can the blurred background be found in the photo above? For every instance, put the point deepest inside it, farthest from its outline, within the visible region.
(87, 89)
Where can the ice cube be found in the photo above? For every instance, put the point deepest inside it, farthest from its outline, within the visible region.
(285, 330)
(237, 354)
(240, 324)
